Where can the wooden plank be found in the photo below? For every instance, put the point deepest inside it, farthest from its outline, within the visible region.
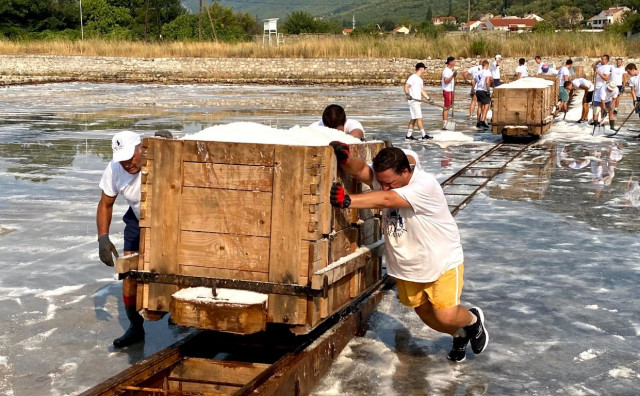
(330, 173)
(229, 153)
(225, 211)
(219, 315)
(224, 176)
(342, 243)
(341, 293)
(238, 252)
(198, 388)
(165, 224)
(286, 235)
(223, 273)
(313, 256)
(127, 263)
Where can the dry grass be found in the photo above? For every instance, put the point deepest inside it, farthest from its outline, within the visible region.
(526, 45)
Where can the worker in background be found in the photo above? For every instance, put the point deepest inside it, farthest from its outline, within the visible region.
(602, 99)
(587, 96)
(539, 63)
(564, 74)
(521, 70)
(565, 90)
(483, 82)
(414, 92)
(619, 77)
(548, 70)
(122, 177)
(602, 69)
(422, 242)
(471, 74)
(495, 70)
(447, 82)
(634, 82)
(334, 117)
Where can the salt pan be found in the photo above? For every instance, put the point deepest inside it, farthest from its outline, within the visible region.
(250, 132)
(528, 82)
(205, 294)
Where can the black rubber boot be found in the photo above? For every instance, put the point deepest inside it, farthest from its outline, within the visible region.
(612, 125)
(135, 332)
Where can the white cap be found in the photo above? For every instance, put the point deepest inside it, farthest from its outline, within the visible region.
(124, 144)
(611, 86)
(498, 57)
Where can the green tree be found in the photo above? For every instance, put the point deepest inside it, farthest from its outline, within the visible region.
(429, 16)
(105, 20)
(388, 24)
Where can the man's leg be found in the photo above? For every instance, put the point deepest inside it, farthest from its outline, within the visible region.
(422, 132)
(444, 320)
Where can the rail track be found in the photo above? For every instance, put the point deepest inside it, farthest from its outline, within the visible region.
(277, 362)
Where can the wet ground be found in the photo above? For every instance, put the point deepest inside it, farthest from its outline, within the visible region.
(550, 246)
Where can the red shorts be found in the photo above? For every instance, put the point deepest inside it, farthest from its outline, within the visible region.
(448, 98)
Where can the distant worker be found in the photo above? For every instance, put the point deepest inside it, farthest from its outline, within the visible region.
(335, 117)
(471, 74)
(565, 91)
(587, 96)
(483, 82)
(618, 77)
(634, 82)
(414, 91)
(602, 99)
(547, 70)
(495, 70)
(603, 70)
(564, 74)
(122, 176)
(448, 81)
(521, 70)
(422, 242)
(538, 60)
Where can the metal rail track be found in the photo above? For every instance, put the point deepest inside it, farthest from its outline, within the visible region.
(276, 362)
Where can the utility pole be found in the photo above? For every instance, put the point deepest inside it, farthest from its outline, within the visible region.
(81, 24)
(200, 22)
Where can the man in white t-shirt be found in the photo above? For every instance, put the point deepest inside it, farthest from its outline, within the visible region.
(422, 243)
(471, 73)
(587, 96)
(483, 82)
(335, 117)
(618, 77)
(564, 74)
(414, 91)
(522, 70)
(602, 99)
(538, 60)
(448, 81)
(603, 71)
(495, 70)
(634, 82)
(547, 70)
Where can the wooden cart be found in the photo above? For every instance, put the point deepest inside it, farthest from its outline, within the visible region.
(254, 217)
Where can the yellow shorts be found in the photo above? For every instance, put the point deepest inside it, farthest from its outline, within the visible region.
(442, 294)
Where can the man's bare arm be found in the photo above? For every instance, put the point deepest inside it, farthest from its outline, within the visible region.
(105, 211)
(378, 200)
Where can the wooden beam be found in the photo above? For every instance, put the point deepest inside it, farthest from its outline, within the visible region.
(127, 263)
(238, 252)
(224, 176)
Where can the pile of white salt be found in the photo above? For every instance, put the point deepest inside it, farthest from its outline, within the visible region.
(230, 296)
(527, 82)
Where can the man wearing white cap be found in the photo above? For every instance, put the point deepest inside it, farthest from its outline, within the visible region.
(495, 70)
(602, 100)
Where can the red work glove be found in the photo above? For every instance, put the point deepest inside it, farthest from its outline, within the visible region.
(341, 150)
(339, 197)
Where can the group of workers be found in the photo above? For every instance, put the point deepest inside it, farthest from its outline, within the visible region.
(603, 94)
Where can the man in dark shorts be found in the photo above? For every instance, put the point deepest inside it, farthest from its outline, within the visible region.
(483, 82)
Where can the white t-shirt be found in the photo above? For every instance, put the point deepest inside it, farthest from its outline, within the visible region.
(616, 75)
(415, 86)
(563, 73)
(474, 70)
(578, 82)
(635, 84)
(446, 73)
(421, 242)
(604, 69)
(415, 157)
(349, 125)
(539, 68)
(523, 70)
(495, 71)
(117, 181)
(603, 95)
(481, 80)
(551, 72)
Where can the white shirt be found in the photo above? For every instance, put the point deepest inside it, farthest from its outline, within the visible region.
(616, 75)
(539, 68)
(415, 86)
(423, 241)
(582, 82)
(635, 84)
(603, 95)
(495, 71)
(563, 73)
(481, 80)
(474, 70)
(604, 69)
(117, 181)
(551, 72)
(446, 73)
(411, 153)
(349, 125)
(523, 70)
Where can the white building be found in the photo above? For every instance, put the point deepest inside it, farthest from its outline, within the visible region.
(607, 17)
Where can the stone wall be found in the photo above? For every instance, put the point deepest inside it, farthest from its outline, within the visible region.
(26, 69)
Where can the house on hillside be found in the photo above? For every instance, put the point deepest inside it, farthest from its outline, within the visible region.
(401, 30)
(486, 17)
(510, 24)
(443, 20)
(607, 17)
(472, 25)
(347, 31)
(533, 16)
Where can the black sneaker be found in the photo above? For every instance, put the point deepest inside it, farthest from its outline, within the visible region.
(478, 125)
(427, 137)
(615, 111)
(485, 125)
(409, 138)
(593, 122)
(459, 349)
(477, 333)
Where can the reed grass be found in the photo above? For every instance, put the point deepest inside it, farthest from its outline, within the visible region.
(460, 45)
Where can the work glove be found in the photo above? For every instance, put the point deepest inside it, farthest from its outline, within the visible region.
(408, 96)
(455, 73)
(106, 249)
(164, 134)
(472, 93)
(339, 197)
(341, 150)
(430, 101)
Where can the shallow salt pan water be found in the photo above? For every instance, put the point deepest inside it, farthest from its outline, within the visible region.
(551, 245)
